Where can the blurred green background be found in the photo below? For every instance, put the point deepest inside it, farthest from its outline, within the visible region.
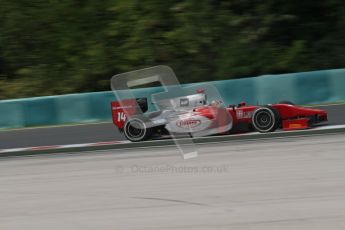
(50, 47)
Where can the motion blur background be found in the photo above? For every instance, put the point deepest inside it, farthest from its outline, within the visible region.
(50, 47)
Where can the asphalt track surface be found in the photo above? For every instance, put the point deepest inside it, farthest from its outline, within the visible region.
(289, 183)
(103, 132)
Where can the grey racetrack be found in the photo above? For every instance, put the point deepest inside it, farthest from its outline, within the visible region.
(290, 183)
(91, 133)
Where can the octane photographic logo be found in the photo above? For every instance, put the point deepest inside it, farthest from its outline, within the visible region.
(171, 169)
(188, 124)
(172, 99)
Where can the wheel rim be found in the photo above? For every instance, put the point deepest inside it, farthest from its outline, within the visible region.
(263, 120)
(135, 130)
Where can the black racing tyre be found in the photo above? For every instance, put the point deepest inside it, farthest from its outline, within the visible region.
(265, 119)
(136, 130)
(286, 102)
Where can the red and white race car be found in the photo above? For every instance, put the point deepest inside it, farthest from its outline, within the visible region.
(194, 116)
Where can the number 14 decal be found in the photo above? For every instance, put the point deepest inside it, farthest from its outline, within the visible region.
(121, 116)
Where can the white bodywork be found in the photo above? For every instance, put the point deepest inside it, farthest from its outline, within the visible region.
(178, 116)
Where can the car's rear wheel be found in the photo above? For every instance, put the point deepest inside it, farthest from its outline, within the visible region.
(265, 119)
(136, 130)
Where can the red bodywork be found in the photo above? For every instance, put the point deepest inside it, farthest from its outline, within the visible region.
(292, 117)
(121, 110)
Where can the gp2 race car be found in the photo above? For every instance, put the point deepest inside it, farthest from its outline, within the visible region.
(194, 116)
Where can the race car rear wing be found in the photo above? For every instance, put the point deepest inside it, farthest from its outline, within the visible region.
(121, 110)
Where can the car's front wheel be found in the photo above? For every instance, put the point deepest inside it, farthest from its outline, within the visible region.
(265, 119)
(136, 130)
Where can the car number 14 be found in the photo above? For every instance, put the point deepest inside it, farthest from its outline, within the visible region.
(121, 116)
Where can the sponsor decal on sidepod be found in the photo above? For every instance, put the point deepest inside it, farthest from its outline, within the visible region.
(242, 114)
(189, 123)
